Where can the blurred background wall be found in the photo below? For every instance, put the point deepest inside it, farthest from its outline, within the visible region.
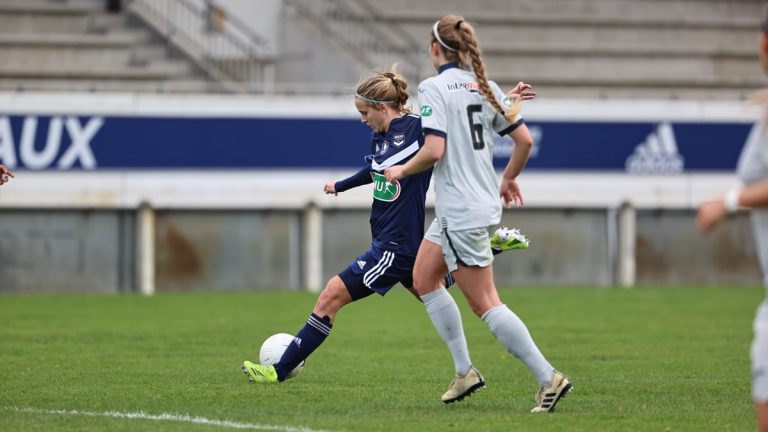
(174, 145)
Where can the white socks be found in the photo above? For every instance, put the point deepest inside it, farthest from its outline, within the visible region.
(512, 333)
(445, 316)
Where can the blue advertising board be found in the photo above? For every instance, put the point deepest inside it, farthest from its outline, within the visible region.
(135, 143)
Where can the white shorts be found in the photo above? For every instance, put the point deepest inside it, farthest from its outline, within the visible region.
(471, 247)
(759, 354)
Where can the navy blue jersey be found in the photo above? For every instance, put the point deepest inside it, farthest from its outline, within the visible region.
(397, 212)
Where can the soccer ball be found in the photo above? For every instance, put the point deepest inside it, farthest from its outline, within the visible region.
(273, 348)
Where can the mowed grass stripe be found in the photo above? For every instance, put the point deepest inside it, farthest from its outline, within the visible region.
(651, 358)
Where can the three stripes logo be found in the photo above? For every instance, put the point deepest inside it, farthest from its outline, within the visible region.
(657, 154)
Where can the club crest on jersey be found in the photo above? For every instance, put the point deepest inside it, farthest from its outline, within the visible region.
(398, 140)
(383, 190)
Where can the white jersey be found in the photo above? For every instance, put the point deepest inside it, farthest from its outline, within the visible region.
(752, 168)
(466, 185)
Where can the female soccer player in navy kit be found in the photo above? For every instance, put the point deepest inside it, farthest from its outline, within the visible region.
(397, 217)
(460, 110)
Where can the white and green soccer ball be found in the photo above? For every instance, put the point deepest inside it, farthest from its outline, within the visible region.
(273, 348)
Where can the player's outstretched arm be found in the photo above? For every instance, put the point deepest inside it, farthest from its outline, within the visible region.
(5, 174)
(362, 177)
(715, 209)
(522, 90)
(425, 158)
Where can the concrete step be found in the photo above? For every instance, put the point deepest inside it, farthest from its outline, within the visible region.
(585, 91)
(47, 7)
(58, 50)
(608, 37)
(154, 71)
(109, 85)
(585, 12)
(632, 68)
(57, 40)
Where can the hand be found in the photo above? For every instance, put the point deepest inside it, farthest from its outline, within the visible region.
(710, 213)
(510, 193)
(523, 91)
(394, 173)
(330, 188)
(5, 174)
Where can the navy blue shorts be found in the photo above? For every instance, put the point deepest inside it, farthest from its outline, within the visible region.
(377, 271)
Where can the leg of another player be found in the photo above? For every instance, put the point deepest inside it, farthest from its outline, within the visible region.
(428, 273)
(318, 327)
(761, 409)
(476, 283)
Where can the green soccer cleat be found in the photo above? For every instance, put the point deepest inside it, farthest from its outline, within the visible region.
(259, 373)
(505, 239)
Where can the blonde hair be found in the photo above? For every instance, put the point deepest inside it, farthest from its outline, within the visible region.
(458, 41)
(389, 88)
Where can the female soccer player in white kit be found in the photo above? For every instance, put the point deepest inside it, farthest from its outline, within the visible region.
(753, 172)
(460, 111)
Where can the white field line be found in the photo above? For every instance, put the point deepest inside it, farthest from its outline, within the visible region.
(165, 417)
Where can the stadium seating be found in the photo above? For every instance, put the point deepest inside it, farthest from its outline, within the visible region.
(78, 46)
(701, 49)
(607, 48)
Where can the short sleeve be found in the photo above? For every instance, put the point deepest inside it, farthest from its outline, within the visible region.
(500, 124)
(433, 118)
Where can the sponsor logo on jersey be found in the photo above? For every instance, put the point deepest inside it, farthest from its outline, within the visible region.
(384, 190)
(297, 341)
(426, 110)
(472, 87)
(361, 263)
(398, 140)
(657, 154)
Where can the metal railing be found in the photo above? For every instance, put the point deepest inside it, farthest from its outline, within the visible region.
(355, 26)
(224, 47)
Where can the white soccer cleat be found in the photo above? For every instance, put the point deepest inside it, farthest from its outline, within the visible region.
(548, 396)
(463, 386)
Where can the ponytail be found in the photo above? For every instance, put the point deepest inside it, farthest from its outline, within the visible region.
(384, 87)
(458, 40)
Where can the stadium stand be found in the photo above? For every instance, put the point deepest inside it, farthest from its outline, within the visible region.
(681, 49)
(80, 45)
(686, 49)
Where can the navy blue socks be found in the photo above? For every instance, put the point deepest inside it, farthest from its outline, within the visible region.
(306, 341)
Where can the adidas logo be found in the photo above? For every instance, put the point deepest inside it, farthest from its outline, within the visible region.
(297, 341)
(361, 264)
(657, 154)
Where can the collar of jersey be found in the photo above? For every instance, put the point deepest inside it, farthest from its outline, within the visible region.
(447, 66)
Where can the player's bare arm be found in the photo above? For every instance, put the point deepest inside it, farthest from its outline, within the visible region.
(714, 210)
(509, 190)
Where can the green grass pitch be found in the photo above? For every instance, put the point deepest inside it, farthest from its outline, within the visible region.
(646, 359)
